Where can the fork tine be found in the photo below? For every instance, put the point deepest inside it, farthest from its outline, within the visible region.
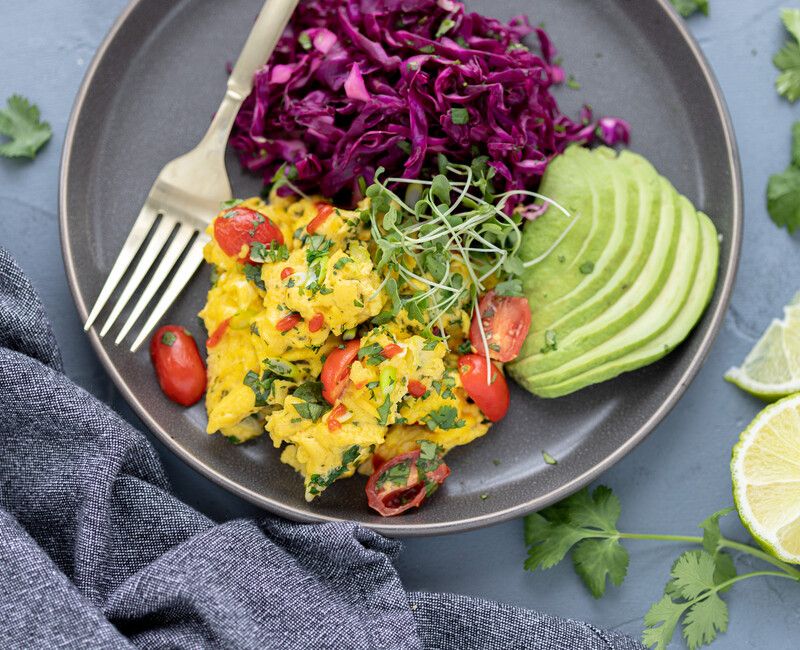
(151, 251)
(135, 238)
(174, 250)
(193, 259)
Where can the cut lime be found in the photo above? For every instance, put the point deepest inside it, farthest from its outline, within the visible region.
(765, 470)
(772, 369)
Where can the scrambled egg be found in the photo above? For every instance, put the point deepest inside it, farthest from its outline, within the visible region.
(261, 378)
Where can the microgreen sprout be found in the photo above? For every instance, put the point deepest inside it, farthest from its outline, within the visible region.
(442, 229)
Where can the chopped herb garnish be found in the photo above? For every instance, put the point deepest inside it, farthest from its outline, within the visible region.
(459, 115)
(341, 262)
(395, 475)
(262, 387)
(168, 339)
(383, 411)
(445, 417)
(313, 406)
(586, 268)
(305, 40)
(317, 483)
(253, 274)
(549, 459)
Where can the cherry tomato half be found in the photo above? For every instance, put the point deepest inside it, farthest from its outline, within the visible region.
(404, 482)
(239, 227)
(179, 367)
(416, 388)
(506, 321)
(491, 396)
(286, 272)
(218, 333)
(336, 370)
(324, 210)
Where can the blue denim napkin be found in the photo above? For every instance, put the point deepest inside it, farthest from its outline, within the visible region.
(95, 552)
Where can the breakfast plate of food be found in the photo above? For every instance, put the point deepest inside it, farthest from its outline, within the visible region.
(462, 272)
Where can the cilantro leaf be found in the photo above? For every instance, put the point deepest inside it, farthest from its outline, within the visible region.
(711, 532)
(586, 521)
(253, 274)
(313, 406)
(661, 620)
(688, 7)
(316, 483)
(704, 620)
(783, 198)
(594, 559)
(787, 60)
(21, 123)
(692, 574)
(445, 417)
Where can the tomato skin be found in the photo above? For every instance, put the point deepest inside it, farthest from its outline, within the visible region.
(492, 398)
(316, 322)
(179, 367)
(506, 321)
(416, 388)
(239, 227)
(336, 370)
(324, 210)
(218, 333)
(288, 322)
(392, 499)
(286, 272)
(391, 350)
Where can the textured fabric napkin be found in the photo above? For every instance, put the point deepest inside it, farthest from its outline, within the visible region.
(96, 553)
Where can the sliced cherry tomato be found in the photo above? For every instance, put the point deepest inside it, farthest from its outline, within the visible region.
(324, 210)
(391, 350)
(506, 321)
(288, 322)
(404, 482)
(218, 333)
(316, 322)
(286, 272)
(179, 367)
(336, 370)
(239, 227)
(416, 388)
(492, 397)
(333, 419)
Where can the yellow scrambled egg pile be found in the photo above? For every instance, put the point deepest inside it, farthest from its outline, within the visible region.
(260, 378)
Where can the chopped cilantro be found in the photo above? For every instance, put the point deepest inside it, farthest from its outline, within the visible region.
(341, 262)
(395, 475)
(511, 287)
(305, 41)
(168, 339)
(262, 387)
(253, 274)
(383, 411)
(459, 115)
(445, 417)
(586, 268)
(549, 459)
(317, 483)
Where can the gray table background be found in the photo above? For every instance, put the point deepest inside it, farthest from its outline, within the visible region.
(668, 484)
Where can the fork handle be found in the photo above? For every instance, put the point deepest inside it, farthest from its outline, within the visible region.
(263, 38)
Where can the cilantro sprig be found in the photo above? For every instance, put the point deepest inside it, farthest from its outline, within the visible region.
(21, 122)
(787, 60)
(585, 526)
(687, 8)
(783, 189)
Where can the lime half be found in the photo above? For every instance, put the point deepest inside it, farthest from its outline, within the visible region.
(772, 369)
(765, 470)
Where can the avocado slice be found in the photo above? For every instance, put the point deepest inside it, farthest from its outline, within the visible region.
(656, 318)
(702, 289)
(631, 294)
(585, 189)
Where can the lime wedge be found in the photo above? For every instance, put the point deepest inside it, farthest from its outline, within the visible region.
(772, 369)
(765, 470)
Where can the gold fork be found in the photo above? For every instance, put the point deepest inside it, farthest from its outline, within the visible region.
(186, 195)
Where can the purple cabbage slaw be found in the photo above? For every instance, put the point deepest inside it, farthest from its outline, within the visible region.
(354, 85)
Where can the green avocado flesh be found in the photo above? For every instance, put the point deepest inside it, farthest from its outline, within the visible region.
(624, 286)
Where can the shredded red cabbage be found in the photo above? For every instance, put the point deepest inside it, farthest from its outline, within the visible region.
(358, 84)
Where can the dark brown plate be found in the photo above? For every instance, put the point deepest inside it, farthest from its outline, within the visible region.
(148, 97)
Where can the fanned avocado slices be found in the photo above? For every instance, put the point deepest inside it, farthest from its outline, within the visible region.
(626, 284)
